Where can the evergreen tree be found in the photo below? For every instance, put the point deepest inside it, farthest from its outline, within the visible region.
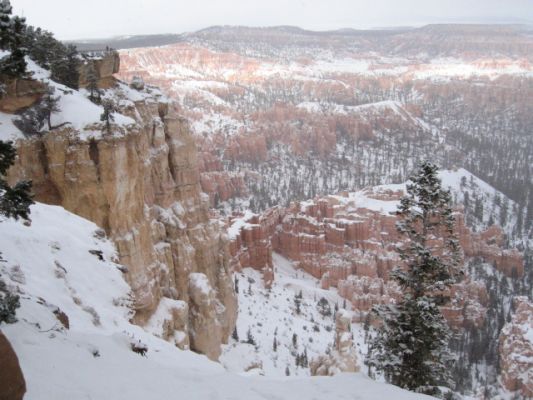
(92, 84)
(14, 64)
(235, 335)
(250, 338)
(107, 114)
(32, 121)
(15, 200)
(5, 24)
(323, 307)
(411, 346)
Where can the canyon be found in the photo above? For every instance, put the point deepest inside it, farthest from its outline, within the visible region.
(276, 158)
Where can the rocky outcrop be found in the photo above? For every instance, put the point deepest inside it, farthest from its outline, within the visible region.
(12, 383)
(141, 184)
(250, 244)
(104, 65)
(516, 350)
(222, 186)
(343, 357)
(20, 93)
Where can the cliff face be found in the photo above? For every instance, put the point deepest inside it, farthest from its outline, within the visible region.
(516, 349)
(141, 184)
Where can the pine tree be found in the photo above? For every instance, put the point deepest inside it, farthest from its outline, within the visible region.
(411, 346)
(92, 84)
(5, 24)
(15, 200)
(235, 335)
(250, 338)
(323, 307)
(14, 64)
(107, 114)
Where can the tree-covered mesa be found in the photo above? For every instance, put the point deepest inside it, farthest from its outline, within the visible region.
(15, 203)
(20, 40)
(411, 345)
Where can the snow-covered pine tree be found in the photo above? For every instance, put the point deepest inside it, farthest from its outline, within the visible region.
(5, 24)
(411, 345)
(12, 31)
(15, 64)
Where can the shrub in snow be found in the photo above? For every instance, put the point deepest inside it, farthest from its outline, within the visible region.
(323, 307)
(8, 304)
(139, 348)
(250, 338)
(137, 83)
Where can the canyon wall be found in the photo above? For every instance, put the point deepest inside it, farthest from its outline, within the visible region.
(516, 349)
(141, 184)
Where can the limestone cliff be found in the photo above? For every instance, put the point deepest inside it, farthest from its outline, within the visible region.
(140, 182)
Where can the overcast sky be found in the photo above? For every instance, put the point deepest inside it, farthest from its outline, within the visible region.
(77, 19)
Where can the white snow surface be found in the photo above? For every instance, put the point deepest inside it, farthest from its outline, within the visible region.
(49, 265)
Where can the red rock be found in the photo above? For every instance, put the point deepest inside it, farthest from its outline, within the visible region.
(12, 383)
(516, 350)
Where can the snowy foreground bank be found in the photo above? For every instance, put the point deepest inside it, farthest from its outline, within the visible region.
(62, 265)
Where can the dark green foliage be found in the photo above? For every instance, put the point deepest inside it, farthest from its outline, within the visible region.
(107, 117)
(250, 338)
(16, 200)
(49, 53)
(5, 24)
(8, 304)
(12, 31)
(411, 346)
(92, 84)
(323, 307)
(14, 65)
(64, 66)
(235, 335)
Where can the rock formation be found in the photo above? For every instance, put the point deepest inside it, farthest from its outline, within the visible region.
(141, 184)
(250, 244)
(104, 65)
(516, 350)
(12, 383)
(343, 357)
(348, 242)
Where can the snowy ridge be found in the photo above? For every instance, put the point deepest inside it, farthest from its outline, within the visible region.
(76, 110)
(63, 263)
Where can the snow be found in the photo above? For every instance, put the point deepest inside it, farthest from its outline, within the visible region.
(76, 110)
(271, 313)
(50, 266)
(239, 223)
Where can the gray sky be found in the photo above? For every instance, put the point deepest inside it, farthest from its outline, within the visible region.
(76, 19)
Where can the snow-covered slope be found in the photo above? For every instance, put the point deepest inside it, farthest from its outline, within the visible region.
(271, 314)
(63, 264)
